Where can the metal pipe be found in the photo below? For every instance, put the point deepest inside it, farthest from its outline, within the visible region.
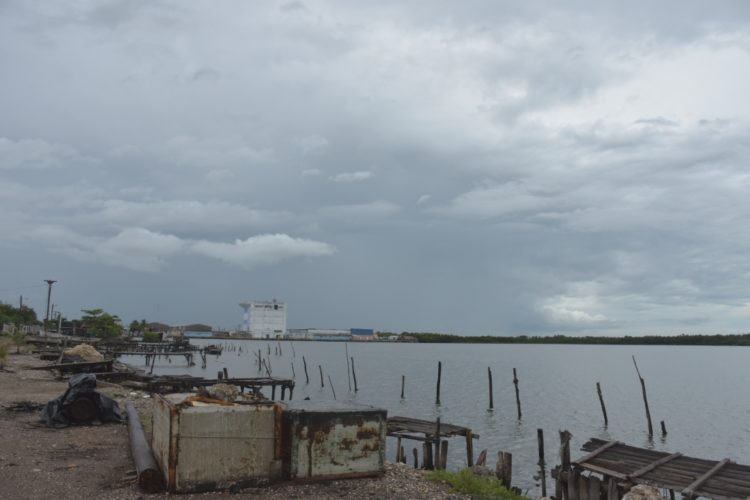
(150, 478)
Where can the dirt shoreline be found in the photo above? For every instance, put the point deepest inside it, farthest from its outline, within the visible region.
(94, 461)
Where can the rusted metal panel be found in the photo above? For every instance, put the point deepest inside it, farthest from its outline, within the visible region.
(210, 447)
(330, 441)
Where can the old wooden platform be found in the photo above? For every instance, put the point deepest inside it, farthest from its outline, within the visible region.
(691, 477)
(429, 433)
(407, 425)
(177, 383)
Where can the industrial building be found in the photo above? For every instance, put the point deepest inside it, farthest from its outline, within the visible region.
(264, 319)
(329, 334)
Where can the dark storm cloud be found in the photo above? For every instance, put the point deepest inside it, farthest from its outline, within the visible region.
(483, 167)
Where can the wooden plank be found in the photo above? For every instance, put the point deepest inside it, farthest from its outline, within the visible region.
(653, 465)
(595, 488)
(583, 488)
(597, 452)
(689, 492)
(612, 493)
(603, 470)
(572, 484)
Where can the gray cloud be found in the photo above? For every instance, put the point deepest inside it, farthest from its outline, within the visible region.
(535, 167)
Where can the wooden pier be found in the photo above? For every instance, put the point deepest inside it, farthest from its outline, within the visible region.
(186, 383)
(622, 466)
(430, 433)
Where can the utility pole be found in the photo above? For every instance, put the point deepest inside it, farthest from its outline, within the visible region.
(49, 296)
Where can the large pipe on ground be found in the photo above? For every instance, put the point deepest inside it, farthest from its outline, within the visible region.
(150, 478)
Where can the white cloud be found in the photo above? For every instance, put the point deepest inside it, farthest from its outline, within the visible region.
(35, 154)
(180, 215)
(311, 172)
(138, 249)
(578, 307)
(215, 153)
(312, 144)
(373, 210)
(423, 199)
(264, 249)
(362, 175)
(495, 201)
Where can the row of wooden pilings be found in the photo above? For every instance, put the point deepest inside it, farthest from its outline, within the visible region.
(518, 396)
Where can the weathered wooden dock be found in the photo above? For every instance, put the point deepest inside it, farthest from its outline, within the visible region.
(186, 383)
(430, 433)
(622, 466)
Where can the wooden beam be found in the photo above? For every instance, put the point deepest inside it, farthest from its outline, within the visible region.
(604, 471)
(689, 492)
(596, 452)
(653, 465)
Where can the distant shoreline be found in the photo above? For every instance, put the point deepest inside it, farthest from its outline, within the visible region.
(691, 340)
(736, 340)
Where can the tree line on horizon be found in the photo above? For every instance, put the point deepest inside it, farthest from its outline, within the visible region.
(683, 339)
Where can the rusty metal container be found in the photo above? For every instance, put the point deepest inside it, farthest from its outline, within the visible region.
(324, 441)
(211, 446)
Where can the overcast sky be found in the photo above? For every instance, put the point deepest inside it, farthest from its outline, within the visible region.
(475, 167)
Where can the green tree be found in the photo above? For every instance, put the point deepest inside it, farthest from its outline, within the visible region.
(100, 323)
(19, 339)
(3, 354)
(23, 315)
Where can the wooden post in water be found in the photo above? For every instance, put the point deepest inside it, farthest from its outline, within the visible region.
(504, 468)
(489, 377)
(321, 376)
(561, 489)
(226, 373)
(440, 372)
(437, 444)
(518, 398)
(542, 473)
(354, 375)
(332, 389)
(416, 458)
(645, 399)
(601, 401)
(304, 363)
(220, 376)
(427, 455)
(294, 375)
(482, 457)
(348, 368)
(469, 448)
(260, 361)
(444, 454)
(663, 428)
(403, 379)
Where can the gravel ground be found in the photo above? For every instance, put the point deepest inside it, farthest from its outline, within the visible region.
(94, 461)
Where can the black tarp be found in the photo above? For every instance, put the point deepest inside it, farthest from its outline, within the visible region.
(81, 386)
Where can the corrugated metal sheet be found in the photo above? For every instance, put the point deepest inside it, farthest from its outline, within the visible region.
(203, 448)
(329, 441)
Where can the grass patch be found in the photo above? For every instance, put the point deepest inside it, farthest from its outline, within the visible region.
(477, 486)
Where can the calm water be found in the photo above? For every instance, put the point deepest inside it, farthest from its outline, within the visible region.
(702, 393)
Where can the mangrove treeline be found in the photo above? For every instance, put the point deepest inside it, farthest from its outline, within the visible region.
(733, 340)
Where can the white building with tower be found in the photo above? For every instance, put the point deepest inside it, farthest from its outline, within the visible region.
(264, 318)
